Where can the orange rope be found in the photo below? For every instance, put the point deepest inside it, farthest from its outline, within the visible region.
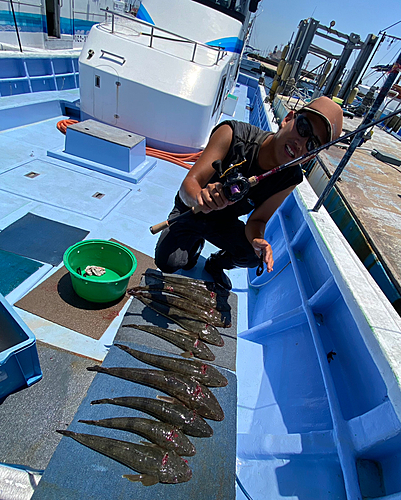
(63, 124)
(180, 159)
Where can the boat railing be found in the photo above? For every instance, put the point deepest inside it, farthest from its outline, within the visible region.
(160, 33)
(279, 109)
(28, 4)
(94, 14)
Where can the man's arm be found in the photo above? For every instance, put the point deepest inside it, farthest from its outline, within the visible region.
(193, 190)
(255, 227)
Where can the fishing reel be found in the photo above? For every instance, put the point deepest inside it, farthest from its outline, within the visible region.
(235, 184)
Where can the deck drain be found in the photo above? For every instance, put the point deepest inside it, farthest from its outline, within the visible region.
(99, 196)
(31, 175)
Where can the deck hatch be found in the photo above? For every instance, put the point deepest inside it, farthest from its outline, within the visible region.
(64, 188)
(31, 175)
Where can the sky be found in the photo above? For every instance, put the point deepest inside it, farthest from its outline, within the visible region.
(277, 20)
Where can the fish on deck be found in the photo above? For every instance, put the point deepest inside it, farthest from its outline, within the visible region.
(189, 391)
(199, 308)
(206, 332)
(154, 464)
(166, 409)
(187, 341)
(164, 435)
(204, 373)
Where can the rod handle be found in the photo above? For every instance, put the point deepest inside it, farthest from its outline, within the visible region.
(159, 227)
(163, 225)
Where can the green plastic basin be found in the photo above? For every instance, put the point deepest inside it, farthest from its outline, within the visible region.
(119, 263)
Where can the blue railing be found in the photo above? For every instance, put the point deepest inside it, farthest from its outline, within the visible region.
(257, 115)
(258, 112)
(30, 73)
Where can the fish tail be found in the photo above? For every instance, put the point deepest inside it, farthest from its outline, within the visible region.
(65, 433)
(123, 347)
(91, 422)
(96, 368)
(99, 401)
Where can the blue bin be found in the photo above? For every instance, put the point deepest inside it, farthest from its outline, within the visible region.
(19, 361)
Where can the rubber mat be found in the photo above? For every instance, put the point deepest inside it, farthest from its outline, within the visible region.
(55, 300)
(76, 472)
(140, 314)
(14, 270)
(40, 239)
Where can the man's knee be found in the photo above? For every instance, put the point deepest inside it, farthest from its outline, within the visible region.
(170, 262)
(164, 262)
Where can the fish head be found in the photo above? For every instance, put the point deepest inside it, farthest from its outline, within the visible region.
(174, 469)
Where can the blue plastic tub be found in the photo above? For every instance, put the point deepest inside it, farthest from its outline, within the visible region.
(19, 362)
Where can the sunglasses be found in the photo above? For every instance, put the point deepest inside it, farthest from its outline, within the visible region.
(305, 129)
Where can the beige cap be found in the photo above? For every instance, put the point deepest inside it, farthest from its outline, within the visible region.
(330, 112)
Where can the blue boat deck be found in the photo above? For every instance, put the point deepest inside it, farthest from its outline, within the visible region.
(318, 350)
(62, 192)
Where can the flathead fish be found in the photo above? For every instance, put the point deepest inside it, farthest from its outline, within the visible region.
(155, 464)
(202, 372)
(208, 315)
(187, 281)
(164, 435)
(187, 341)
(172, 412)
(207, 333)
(203, 297)
(187, 390)
(197, 288)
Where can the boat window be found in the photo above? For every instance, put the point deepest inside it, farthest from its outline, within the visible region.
(233, 8)
(220, 94)
(53, 18)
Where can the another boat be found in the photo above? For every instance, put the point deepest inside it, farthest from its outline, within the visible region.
(317, 358)
(191, 67)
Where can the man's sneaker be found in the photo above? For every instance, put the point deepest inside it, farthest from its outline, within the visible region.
(217, 273)
(193, 259)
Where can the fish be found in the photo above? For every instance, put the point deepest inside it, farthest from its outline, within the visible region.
(202, 372)
(206, 332)
(210, 286)
(187, 390)
(172, 412)
(154, 464)
(209, 315)
(187, 341)
(164, 435)
(206, 298)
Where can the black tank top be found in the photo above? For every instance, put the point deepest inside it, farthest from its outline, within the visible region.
(252, 138)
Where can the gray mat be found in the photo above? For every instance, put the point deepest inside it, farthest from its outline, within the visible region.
(28, 418)
(40, 239)
(140, 314)
(78, 473)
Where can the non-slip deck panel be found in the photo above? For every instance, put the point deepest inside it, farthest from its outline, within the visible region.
(55, 300)
(14, 270)
(140, 314)
(28, 418)
(61, 185)
(39, 238)
(77, 473)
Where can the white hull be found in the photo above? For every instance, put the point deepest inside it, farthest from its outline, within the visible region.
(167, 86)
(158, 94)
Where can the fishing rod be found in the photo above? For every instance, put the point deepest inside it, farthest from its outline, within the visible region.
(237, 186)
